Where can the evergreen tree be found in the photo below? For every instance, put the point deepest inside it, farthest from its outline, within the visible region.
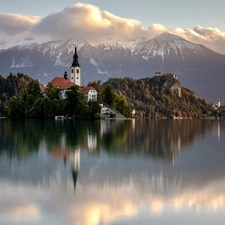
(76, 103)
(108, 95)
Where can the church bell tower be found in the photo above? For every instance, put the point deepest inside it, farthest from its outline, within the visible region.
(75, 70)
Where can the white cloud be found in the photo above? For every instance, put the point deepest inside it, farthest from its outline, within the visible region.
(212, 38)
(14, 27)
(12, 24)
(86, 21)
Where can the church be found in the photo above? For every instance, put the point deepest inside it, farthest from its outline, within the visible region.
(65, 82)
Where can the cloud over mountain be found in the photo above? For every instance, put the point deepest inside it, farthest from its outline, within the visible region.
(14, 26)
(212, 38)
(86, 21)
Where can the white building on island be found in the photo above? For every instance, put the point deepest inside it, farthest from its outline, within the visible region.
(90, 93)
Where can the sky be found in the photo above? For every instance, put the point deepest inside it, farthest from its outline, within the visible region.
(199, 21)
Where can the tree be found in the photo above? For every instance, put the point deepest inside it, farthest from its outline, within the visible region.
(52, 92)
(122, 105)
(16, 108)
(76, 103)
(37, 109)
(108, 95)
(94, 110)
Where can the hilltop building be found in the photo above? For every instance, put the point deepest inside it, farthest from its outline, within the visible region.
(64, 83)
(217, 106)
(167, 74)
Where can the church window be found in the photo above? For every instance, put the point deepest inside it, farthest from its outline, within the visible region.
(77, 70)
(77, 77)
(72, 71)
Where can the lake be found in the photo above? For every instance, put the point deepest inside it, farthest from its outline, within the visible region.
(112, 172)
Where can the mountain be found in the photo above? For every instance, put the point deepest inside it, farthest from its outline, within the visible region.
(197, 67)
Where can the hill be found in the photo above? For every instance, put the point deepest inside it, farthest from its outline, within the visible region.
(162, 97)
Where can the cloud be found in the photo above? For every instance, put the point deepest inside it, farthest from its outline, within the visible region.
(16, 27)
(212, 38)
(86, 21)
(12, 24)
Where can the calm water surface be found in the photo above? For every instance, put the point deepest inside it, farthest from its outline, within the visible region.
(112, 172)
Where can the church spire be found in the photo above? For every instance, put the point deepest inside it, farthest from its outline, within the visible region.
(75, 59)
(75, 76)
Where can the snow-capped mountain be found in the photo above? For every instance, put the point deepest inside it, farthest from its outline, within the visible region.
(197, 67)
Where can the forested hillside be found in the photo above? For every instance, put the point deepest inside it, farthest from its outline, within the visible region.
(11, 86)
(156, 98)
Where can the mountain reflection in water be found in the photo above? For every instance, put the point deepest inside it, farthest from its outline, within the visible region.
(112, 172)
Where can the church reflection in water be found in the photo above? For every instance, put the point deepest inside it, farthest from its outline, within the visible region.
(104, 172)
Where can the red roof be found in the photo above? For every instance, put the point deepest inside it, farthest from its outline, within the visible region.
(87, 89)
(62, 83)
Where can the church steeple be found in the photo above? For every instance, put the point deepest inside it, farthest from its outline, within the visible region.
(75, 70)
(75, 59)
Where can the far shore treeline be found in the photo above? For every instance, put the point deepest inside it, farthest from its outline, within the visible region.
(22, 97)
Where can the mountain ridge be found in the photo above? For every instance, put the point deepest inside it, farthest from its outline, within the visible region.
(197, 67)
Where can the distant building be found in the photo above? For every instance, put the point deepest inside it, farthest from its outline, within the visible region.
(158, 73)
(216, 106)
(172, 75)
(133, 114)
(167, 74)
(104, 111)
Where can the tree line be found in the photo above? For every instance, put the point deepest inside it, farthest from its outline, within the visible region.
(23, 97)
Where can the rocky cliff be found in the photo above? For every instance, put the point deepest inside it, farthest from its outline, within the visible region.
(168, 81)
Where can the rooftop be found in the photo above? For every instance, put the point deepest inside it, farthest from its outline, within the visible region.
(62, 83)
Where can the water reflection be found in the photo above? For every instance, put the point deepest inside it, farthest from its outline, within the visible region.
(112, 172)
(156, 138)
